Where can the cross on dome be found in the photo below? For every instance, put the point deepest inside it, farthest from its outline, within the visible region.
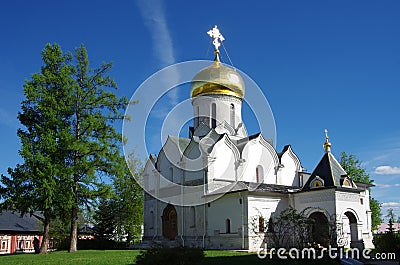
(217, 36)
(327, 144)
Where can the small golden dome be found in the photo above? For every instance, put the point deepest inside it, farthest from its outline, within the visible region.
(217, 79)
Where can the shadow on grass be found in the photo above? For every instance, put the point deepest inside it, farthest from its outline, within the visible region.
(251, 259)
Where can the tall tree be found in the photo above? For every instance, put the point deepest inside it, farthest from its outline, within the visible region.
(35, 185)
(356, 172)
(95, 143)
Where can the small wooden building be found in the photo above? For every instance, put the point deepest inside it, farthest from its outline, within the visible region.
(19, 234)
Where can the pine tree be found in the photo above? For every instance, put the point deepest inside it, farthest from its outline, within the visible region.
(37, 184)
(391, 218)
(105, 220)
(70, 143)
(95, 143)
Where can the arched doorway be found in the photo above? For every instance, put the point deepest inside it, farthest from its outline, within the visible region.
(169, 222)
(352, 223)
(320, 229)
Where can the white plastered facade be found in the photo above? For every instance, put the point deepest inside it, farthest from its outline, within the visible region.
(248, 177)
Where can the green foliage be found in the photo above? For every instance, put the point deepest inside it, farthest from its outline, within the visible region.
(97, 243)
(356, 172)
(93, 142)
(354, 169)
(59, 230)
(69, 141)
(387, 242)
(291, 228)
(288, 229)
(376, 214)
(128, 202)
(120, 217)
(38, 184)
(391, 217)
(105, 220)
(170, 256)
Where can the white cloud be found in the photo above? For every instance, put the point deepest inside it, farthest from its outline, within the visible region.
(391, 204)
(387, 170)
(153, 13)
(378, 185)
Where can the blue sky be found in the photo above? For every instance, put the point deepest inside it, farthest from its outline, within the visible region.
(321, 64)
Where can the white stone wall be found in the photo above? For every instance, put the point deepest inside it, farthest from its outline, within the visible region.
(233, 207)
(222, 161)
(288, 172)
(262, 206)
(168, 163)
(258, 152)
(314, 200)
(358, 205)
(151, 216)
(202, 107)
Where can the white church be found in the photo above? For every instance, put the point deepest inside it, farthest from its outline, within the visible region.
(206, 190)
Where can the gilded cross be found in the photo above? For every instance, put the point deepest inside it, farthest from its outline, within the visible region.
(217, 36)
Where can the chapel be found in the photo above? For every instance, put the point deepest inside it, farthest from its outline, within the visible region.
(217, 188)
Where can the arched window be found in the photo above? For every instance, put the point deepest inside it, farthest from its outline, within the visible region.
(317, 182)
(260, 224)
(228, 226)
(232, 115)
(213, 115)
(171, 174)
(192, 215)
(196, 116)
(347, 183)
(3, 245)
(259, 174)
(151, 219)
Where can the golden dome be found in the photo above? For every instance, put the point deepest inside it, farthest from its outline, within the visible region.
(217, 79)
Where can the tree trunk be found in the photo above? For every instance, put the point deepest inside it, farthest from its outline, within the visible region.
(74, 214)
(45, 240)
(74, 230)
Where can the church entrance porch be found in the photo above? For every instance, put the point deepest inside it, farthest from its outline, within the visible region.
(320, 229)
(170, 222)
(354, 229)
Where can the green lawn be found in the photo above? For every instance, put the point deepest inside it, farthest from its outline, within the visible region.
(121, 257)
(106, 257)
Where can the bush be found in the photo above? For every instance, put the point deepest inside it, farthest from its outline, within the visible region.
(170, 256)
(96, 244)
(387, 243)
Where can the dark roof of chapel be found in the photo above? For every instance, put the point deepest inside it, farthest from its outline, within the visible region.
(329, 170)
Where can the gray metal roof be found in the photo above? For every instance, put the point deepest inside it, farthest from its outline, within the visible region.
(181, 142)
(12, 221)
(254, 187)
